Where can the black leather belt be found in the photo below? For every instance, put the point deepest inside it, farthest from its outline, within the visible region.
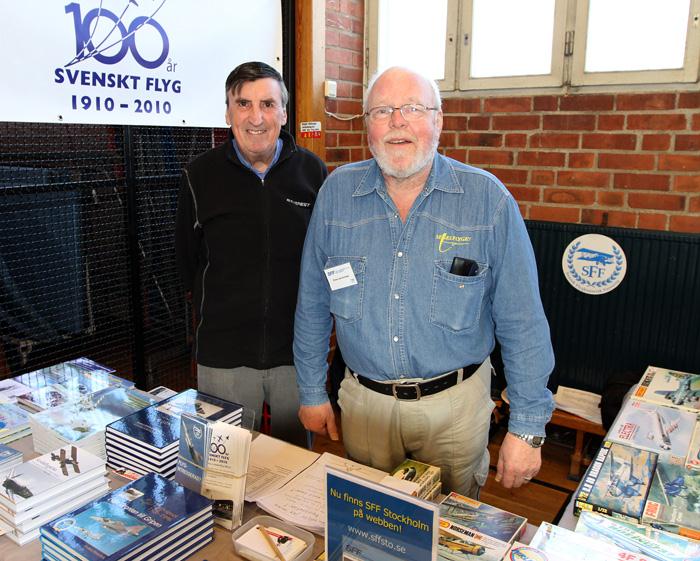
(413, 391)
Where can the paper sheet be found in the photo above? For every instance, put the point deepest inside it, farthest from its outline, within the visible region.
(302, 500)
(578, 402)
(273, 463)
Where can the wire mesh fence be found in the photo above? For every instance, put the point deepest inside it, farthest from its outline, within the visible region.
(87, 264)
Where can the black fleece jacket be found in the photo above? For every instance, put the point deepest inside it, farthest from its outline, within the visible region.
(238, 242)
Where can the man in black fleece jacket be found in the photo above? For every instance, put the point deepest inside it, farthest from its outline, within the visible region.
(243, 210)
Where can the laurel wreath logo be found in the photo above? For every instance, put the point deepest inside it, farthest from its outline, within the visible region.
(597, 284)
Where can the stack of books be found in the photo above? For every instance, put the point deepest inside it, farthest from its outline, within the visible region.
(150, 518)
(82, 423)
(65, 382)
(14, 423)
(147, 441)
(9, 457)
(41, 489)
(469, 527)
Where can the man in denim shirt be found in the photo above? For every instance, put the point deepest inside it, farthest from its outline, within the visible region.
(415, 332)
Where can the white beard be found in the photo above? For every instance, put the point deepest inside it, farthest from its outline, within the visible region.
(422, 160)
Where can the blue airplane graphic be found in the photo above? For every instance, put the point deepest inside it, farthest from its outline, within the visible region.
(596, 256)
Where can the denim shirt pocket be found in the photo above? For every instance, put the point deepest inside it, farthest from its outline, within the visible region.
(456, 301)
(346, 303)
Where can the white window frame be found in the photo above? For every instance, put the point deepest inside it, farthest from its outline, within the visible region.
(689, 72)
(568, 53)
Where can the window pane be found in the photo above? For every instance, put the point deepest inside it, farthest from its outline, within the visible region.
(412, 33)
(636, 34)
(512, 38)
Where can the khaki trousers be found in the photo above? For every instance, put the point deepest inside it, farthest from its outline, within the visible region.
(449, 429)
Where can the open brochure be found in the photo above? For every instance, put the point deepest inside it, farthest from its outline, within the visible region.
(301, 501)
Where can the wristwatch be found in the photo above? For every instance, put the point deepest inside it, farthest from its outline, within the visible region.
(531, 439)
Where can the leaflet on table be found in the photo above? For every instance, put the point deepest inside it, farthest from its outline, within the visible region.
(213, 460)
(664, 430)
(91, 414)
(370, 522)
(579, 402)
(126, 519)
(670, 387)
(302, 500)
(638, 538)
(272, 464)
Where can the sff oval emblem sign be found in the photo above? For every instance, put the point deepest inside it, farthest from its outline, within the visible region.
(594, 264)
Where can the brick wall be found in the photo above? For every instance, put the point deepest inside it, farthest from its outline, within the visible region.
(618, 159)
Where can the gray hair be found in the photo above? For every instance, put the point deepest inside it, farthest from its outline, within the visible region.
(372, 81)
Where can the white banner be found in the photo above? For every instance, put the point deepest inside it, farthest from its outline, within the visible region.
(133, 62)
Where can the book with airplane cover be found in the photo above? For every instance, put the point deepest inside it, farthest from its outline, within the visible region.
(470, 526)
(673, 503)
(213, 461)
(146, 519)
(14, 422)
(670, 387)
(657, 428)
(560, 544)
(638, 538)
(83, 422)
(419, 477)
(616, 482)
(37, 481)
(147, 441)
(67, 382)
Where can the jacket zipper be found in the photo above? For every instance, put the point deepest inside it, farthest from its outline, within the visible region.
(267, 272)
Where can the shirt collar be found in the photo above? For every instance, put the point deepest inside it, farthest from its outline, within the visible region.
(246, 163)
(442, 177)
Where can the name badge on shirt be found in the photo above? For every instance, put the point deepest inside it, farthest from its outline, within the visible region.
(340, 276)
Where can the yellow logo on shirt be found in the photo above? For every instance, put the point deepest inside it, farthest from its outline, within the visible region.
(448, 242)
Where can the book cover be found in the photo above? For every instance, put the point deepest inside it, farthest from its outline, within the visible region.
(126, 520)
(657, 428)
(673, 503)
(12, 418)
(670, 387)
(158, 426)
(90, 415)
(213, 461)
(560, 544)
(424, 476)
(11, 388)
(9, 457)
(638, 538)
(48, 475)
(617, 481)
(692, 460)
(488, 531)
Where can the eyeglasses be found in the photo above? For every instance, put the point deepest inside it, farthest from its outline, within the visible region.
(409, 111)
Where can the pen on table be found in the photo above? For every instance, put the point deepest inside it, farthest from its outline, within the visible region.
(271, 542)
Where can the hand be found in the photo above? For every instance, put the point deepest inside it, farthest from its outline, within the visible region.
(319, 419)
(518, 462)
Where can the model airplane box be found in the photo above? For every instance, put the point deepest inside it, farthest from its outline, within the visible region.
(470, 529)
(617, 482)
(150, 518)
(670, 387)
(657, 428)
(692, 460)
(674, 501)
(560, 544)
(413, 477)
(639, 538)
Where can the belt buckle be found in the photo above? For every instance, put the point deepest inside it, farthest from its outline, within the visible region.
(406, 385)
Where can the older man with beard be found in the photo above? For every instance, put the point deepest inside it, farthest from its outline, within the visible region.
(422, 262)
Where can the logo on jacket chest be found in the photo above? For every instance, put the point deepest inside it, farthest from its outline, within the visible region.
(298, 203)
(446, 241)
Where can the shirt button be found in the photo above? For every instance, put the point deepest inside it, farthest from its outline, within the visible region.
(396, 296)
(399, 254)
(396, 339)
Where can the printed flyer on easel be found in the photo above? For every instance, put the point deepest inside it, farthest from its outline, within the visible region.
(366, 521)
